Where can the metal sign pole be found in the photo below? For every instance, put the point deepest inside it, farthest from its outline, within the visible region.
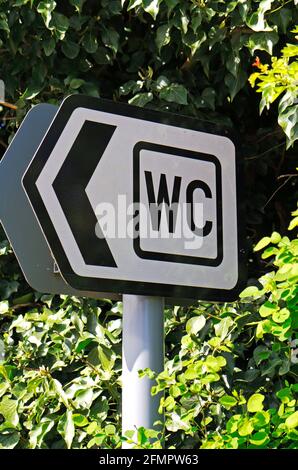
(143, 346)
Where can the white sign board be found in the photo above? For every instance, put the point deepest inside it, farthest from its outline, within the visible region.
(137, 201)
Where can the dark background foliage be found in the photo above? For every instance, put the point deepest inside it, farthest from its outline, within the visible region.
(187, 57)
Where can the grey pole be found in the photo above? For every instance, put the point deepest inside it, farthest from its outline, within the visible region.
(143, 346)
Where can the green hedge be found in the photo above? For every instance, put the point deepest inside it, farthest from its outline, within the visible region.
(230, 372)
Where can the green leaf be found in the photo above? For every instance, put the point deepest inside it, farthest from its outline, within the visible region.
(195, 45)
(45, 9)
(80, 420)
(235, 84)
(292, 420)
(141, 99)
(93, 357)
(107, 357)
(8, 440)
(57, 387)
(4, 24)
(270, 251)
(90, 43)
(251, 374)
(151, 7)
(110, 38)
(141, 436)
(70, 49)
(293, 223)
(175, 391)
(133, 4)
(175, 423)
(131, 86)
(288, 118)
(285, 367)
(196, 20)
(250, 291)
(32, 91)
(262, 243)
(66, 428)
(49, 46)
(76, 83)
(261, 419)
(171, 4)
(262, 42)
(7, 288)
(195, 324)
(290, 50)
(83, 399)
(280, 316)
(285, 395)
(4, 307)
(246, 427)
(255, 403)
(260, 354)
(232, 423)
(184, 22)
(8, 408)
(293, 435)
(282, 18)
(38, 432)
(191, 373)
(110, 430)
(257, 21)
(59, 24)
(228, 402)
(84, 342)
(275, 238)
(160, 83)
(163, 36)
(267, 309)
(222, 328)
(174, 93)
(259, 438)
(92, 427)
(214, 364)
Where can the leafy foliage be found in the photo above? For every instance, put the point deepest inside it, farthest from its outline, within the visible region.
(281, 78)
(229, 379)
(231, 382)
(59, 382)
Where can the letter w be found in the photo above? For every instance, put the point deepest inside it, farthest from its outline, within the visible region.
(163, 200)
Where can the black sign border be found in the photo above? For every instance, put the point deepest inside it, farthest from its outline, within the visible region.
(183, 293)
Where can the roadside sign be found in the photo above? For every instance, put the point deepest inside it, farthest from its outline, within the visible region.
(16, 214)
(137, 201)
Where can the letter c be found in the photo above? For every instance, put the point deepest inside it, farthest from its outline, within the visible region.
(192, 186)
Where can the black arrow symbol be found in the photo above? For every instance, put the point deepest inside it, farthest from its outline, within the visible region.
(70, 185)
